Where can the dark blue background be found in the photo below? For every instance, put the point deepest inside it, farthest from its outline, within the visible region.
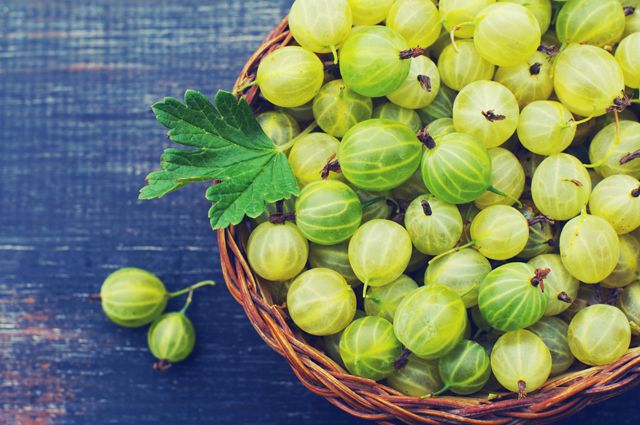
(76, 140)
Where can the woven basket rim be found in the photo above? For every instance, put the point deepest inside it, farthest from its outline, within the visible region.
(366, 399)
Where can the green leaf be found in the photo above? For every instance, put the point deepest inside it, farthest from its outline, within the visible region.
(229, 146)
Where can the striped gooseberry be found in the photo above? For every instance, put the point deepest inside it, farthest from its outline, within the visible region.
(597, 22)
(507, 176)
(499, 232)
(369, 348)
(320, 26)
(616, 149)
(416, 377)
(379, 252)
(462, 271)
(560, 286)
(488, 111)
(328, 212)
(465, 369)
(506, 34)
(418, 21)
(279, 126)
(320, 302)
(521, 361)
(310, 155)
(373, 61)
(629, 303)
(383, 301)
(599, 335)
(628, 267)
(430, 321)
(513, 296)
(277, 252)
(334, 257)
(554, 333)
(133, 297)
(530, 80)
(393, 112)
(337, 108)
(461, 65)
(456, 168)
(561, 186)
(379, 154)
(587, 80)
(290, 76)
(420, 87)
(434, 226)
(617, 200)
(589, 247)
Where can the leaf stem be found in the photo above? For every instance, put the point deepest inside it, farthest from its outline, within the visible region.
(191, 288)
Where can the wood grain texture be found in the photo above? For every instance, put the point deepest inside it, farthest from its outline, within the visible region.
(76, 140)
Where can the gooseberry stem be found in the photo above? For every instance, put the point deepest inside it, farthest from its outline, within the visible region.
(192, 288)
(245, 87)
(451, 251)
(372, 201)
(577, 123)
(188, 302)
(452, 34)
(289, 145)
(334, 51)
(493, 189)
(441, 391)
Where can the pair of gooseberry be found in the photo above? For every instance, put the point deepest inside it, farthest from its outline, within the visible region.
(133, 298)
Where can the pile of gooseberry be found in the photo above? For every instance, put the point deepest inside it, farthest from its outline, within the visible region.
(470, 206)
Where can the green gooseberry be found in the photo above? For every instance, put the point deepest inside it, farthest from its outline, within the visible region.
(279, 126)
(541, 233)
(554, 332)
(379, 154)
(334, 257)
(430, 321)
(383, 301)
(374, 205)
(456, 168)
(369, 348)
(434, 226)
(418, 377)
(465, 369)
(379, 252)
(520, 361)
(171, 338)
(629, 303)
(512, 296)
(393, 112)
(320, 302)
(337, 108)
(332, 342)
(599, 335)
(133, 297)
(328, 212)
(560, 286)
(462, 271)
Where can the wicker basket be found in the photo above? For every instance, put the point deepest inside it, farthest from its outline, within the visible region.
(367, 399)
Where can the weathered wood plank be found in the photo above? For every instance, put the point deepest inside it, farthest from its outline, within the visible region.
(76, 139)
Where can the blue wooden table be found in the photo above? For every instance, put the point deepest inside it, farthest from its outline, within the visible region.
(76, 140)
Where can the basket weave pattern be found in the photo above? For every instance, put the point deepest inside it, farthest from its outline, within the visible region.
(366, 399)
